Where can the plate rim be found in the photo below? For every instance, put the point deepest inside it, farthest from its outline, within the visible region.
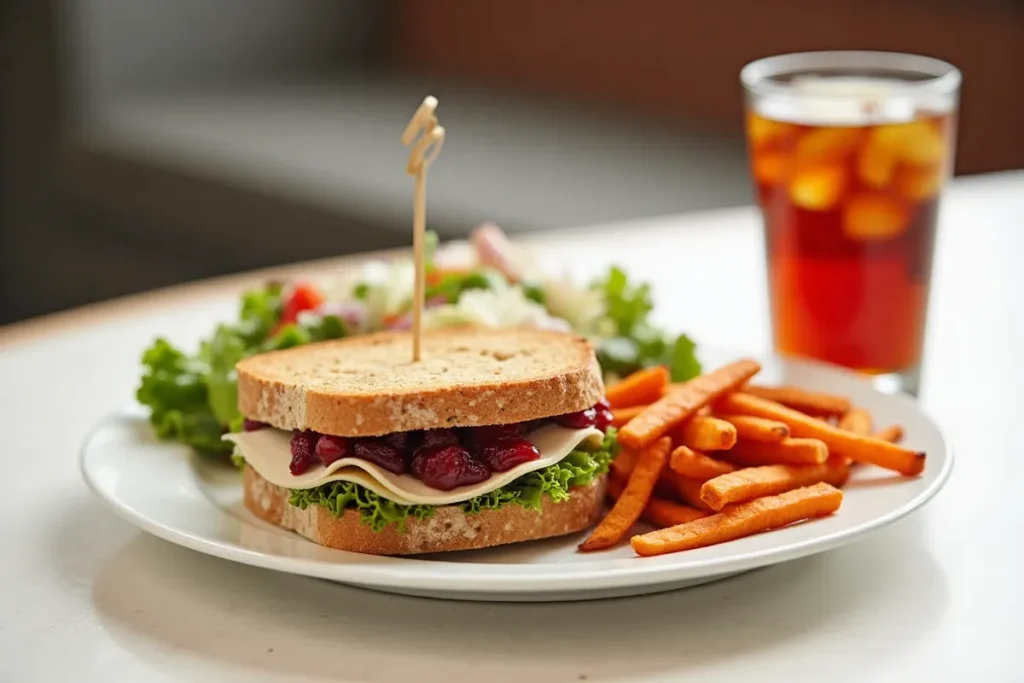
(515, 579)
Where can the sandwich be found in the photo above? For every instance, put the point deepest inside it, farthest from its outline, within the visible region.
(493, 437)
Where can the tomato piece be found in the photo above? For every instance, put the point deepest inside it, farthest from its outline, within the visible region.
(304, 297)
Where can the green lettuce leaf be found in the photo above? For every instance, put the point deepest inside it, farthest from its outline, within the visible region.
(374, 510)
(627, 304)
(636, 343)
(174, 388)
(451, 286)
(221, 352)
(682, 359)
(579, 468)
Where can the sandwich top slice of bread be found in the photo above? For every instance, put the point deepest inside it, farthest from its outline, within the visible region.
(368, 385)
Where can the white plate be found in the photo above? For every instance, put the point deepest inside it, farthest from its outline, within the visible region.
(173, 494)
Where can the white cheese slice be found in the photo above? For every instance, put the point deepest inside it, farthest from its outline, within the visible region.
(268, 451)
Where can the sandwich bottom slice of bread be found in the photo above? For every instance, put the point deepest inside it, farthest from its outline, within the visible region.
(449, 528)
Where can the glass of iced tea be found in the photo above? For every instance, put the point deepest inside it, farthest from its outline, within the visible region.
(849, 152)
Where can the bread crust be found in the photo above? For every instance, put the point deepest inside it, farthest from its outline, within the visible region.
(448, 529)
(367, 385)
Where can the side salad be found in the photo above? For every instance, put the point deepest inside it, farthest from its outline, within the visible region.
(193, 397)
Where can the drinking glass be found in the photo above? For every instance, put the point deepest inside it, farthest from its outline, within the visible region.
(849, 153)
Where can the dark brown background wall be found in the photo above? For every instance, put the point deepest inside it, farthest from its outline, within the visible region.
(681, 58)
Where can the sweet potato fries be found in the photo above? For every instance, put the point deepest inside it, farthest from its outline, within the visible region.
(856, 446)
(716, 459)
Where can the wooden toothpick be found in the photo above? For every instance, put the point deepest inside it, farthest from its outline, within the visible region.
(426, 138)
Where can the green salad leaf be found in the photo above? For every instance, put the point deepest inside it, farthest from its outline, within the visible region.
(636, 343)
(627, 304)
(535, 292)
(194, 399)
(682, 359)
(220, 353)
(579, 468)
(174, 387)
(451, 285)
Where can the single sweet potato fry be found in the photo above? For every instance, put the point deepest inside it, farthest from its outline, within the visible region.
(811, 402)
(689, 463)
(769, 480)
(751, 428)
(628, 508)
(744, 519)
(706, 434)
(621, 416)
(862, 448)
(622, 466)
(675, 386)
(857, 421)
(892, 434)
(659, 511)
(670, 410)
(640, 388)
(789, 451)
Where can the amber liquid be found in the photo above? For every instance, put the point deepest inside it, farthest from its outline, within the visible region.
(850, 216)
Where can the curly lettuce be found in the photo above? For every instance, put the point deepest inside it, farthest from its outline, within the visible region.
(635, 342)
(374, 510)
(194, 399)
(579, 468)
(175, 388)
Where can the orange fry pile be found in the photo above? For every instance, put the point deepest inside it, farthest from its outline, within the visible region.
(716, 459)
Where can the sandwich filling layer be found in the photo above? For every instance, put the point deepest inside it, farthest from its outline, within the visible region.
(581, 468)
(269, 452)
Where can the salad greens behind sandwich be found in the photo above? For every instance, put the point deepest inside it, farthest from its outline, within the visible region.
(193, 398)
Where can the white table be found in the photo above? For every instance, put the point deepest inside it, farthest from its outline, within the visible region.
(84, 596)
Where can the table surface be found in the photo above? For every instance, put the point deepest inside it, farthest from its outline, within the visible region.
(85, 595)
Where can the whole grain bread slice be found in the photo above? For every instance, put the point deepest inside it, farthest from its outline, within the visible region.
(368, 385)
(449, 528)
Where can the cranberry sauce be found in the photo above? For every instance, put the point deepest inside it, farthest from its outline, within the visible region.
(443, 459)
(330, 448)
(303, 451)
(600, 416)
(380, 453)
(447, 467)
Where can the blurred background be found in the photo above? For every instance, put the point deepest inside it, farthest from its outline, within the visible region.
(149, 142)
